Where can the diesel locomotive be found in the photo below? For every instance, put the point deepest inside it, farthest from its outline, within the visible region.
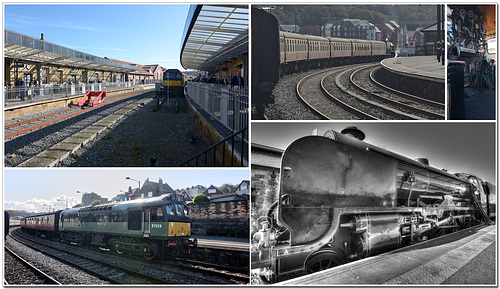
(173, 82)
(151, 227)
(342, 199)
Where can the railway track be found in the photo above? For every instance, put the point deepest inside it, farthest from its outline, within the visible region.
(35, 136)
(30, 271)
(348, 93)
(122, 270)
(402, 101)
(311, 92)
(20, 127)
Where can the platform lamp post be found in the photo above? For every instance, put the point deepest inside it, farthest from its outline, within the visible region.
(295, 27)
(59, 200)
(129, 178)
(78, 192)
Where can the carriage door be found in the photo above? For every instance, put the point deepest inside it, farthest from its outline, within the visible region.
(147, 222)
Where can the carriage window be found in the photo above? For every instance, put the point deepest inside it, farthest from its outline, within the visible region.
(186, 211)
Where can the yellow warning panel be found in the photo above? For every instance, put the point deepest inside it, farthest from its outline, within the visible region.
(179, 229)
(171, 83)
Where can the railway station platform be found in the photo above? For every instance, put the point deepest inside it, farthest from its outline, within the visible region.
(466, 257)
(423, 76)
(215, 41)
(223, 243)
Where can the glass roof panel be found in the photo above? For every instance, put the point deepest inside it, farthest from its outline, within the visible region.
(26, 48)
(213, 34)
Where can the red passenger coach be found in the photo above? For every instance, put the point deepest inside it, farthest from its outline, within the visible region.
(319, 47)
(46, 222)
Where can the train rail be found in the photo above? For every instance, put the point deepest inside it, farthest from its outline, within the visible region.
(406, 102)
(37, 275)
(64, 124)
(350, 92)
(122, 270)
(20, 127)
(311, 92)
(331, 95)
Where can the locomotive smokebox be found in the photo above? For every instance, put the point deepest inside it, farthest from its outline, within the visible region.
(423, 161)
(354, 132)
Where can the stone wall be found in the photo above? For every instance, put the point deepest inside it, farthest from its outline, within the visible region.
(427, 89)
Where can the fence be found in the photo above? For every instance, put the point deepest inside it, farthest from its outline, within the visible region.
(25, 94)
(227, 104)
(418, 50)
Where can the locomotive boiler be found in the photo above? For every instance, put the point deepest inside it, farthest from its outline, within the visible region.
(342, 199)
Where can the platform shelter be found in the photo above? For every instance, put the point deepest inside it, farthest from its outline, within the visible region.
(215, 43)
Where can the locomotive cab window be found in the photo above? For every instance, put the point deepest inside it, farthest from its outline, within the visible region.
(179, 209)
(157, 215)
(186, 211)
(170, 209)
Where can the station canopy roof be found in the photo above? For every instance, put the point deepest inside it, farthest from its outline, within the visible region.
(214, 34)
(28, 49)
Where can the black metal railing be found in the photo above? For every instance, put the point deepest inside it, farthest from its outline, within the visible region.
(216, 154)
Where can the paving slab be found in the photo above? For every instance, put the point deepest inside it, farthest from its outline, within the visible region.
(424, 67)
(431, 262)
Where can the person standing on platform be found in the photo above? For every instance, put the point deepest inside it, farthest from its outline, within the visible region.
(238, 80)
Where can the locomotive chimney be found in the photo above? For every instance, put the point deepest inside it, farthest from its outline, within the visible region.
(354, 132)
(423, 161)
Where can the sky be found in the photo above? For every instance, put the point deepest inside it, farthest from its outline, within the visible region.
(143, 34)
(457, 147)
(33, 190)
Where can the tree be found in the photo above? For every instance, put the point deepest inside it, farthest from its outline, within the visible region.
(200, 198)
(96, 202)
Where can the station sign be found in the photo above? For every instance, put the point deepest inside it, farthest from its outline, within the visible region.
(73, 72)
(17, 66)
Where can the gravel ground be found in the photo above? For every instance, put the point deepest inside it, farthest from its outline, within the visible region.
(68, 275)
(287, 106)
(26, 146)
(58, 270)
(171, 137)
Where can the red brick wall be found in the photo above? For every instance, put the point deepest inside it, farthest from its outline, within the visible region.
(222, 218)
(219, 210)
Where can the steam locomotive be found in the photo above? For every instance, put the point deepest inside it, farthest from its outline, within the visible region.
(150, 227)
(342, 199)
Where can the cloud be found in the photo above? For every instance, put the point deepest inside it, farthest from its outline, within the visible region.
(78, 27)
(42, 205)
